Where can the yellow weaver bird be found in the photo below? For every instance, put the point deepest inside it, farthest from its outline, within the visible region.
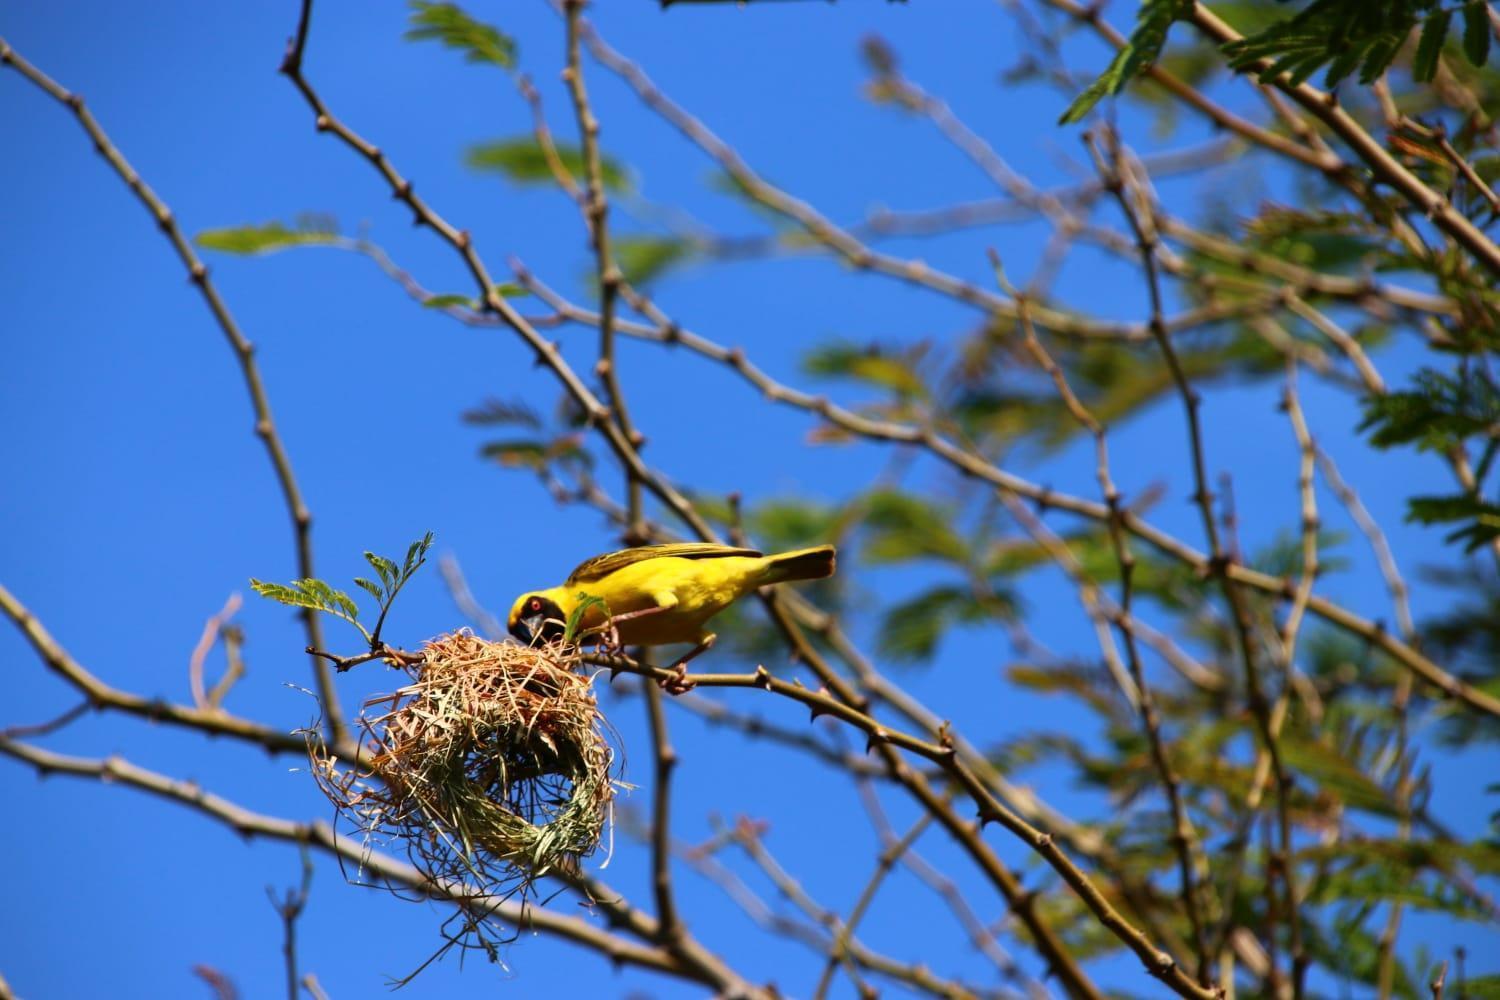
(657, 595)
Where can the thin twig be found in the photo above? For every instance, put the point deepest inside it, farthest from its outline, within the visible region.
(289, 907)
(244, 352)
(665, 757)
(884, 862)
(50, 726)
(606, 272)
(1136, 206)
(212, 630)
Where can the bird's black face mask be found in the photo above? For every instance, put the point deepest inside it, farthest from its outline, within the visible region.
(539, 619)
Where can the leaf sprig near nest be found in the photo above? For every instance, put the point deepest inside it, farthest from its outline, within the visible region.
(492, 768)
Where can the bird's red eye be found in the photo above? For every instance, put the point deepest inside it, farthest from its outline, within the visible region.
(536, 604)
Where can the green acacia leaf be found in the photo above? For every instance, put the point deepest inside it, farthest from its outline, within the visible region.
(1380, 56)
(912, 629)
(281, 593)
(792, 523)
(1337, 774)
(449, 301)
(416, 555)
(1108, 82)
(522, 161)
(346, 604)
(901, 527)
(370, 587)
(449, 25)
(384, 568)
(873, 364)
(1482, 988)
(1342, 34)
(643, 258)
(1479, 521)
(531, 454)
(498, 412)
(309, 593)
(1153, 21)
(1434, 32)
(1437, 413)
(265, 238)
(1477, 32)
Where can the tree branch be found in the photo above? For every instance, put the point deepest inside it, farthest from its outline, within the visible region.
(244, 352)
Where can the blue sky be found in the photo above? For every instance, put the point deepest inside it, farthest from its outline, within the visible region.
(138, 499)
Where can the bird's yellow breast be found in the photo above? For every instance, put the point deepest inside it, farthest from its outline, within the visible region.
(691, 590)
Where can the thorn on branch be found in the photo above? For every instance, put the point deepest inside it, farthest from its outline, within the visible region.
(945, 738)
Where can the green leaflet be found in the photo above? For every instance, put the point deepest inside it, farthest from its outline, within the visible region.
(449, 25)
(268, 237)
(521, 160)
(1153, 21)
(318, 595)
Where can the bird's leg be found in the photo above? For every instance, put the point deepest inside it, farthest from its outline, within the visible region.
(679, 683)
(613, 623)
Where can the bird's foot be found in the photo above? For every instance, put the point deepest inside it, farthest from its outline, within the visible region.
(679, 682)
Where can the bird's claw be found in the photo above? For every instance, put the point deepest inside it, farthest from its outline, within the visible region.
(679, 682)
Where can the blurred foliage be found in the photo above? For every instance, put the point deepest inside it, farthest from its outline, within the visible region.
(552, 449)
(1345, 36)
(1140, 51)
(269, 237)
(449, 300)
(642, 259)
(449, 25)
(1441, 413)
(522, 160)
(1359, 35)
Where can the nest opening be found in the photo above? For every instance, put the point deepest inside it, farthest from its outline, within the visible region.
(492, 767)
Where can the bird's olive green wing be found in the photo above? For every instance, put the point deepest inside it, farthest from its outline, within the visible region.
(601, 566)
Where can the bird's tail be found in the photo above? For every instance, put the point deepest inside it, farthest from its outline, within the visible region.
(803, 564)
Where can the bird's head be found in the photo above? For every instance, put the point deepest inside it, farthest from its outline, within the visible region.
(536, 616)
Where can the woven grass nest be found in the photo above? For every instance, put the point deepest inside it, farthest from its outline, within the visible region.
(492, 767)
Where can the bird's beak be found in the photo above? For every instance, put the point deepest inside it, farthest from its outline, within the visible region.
(533, 625)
